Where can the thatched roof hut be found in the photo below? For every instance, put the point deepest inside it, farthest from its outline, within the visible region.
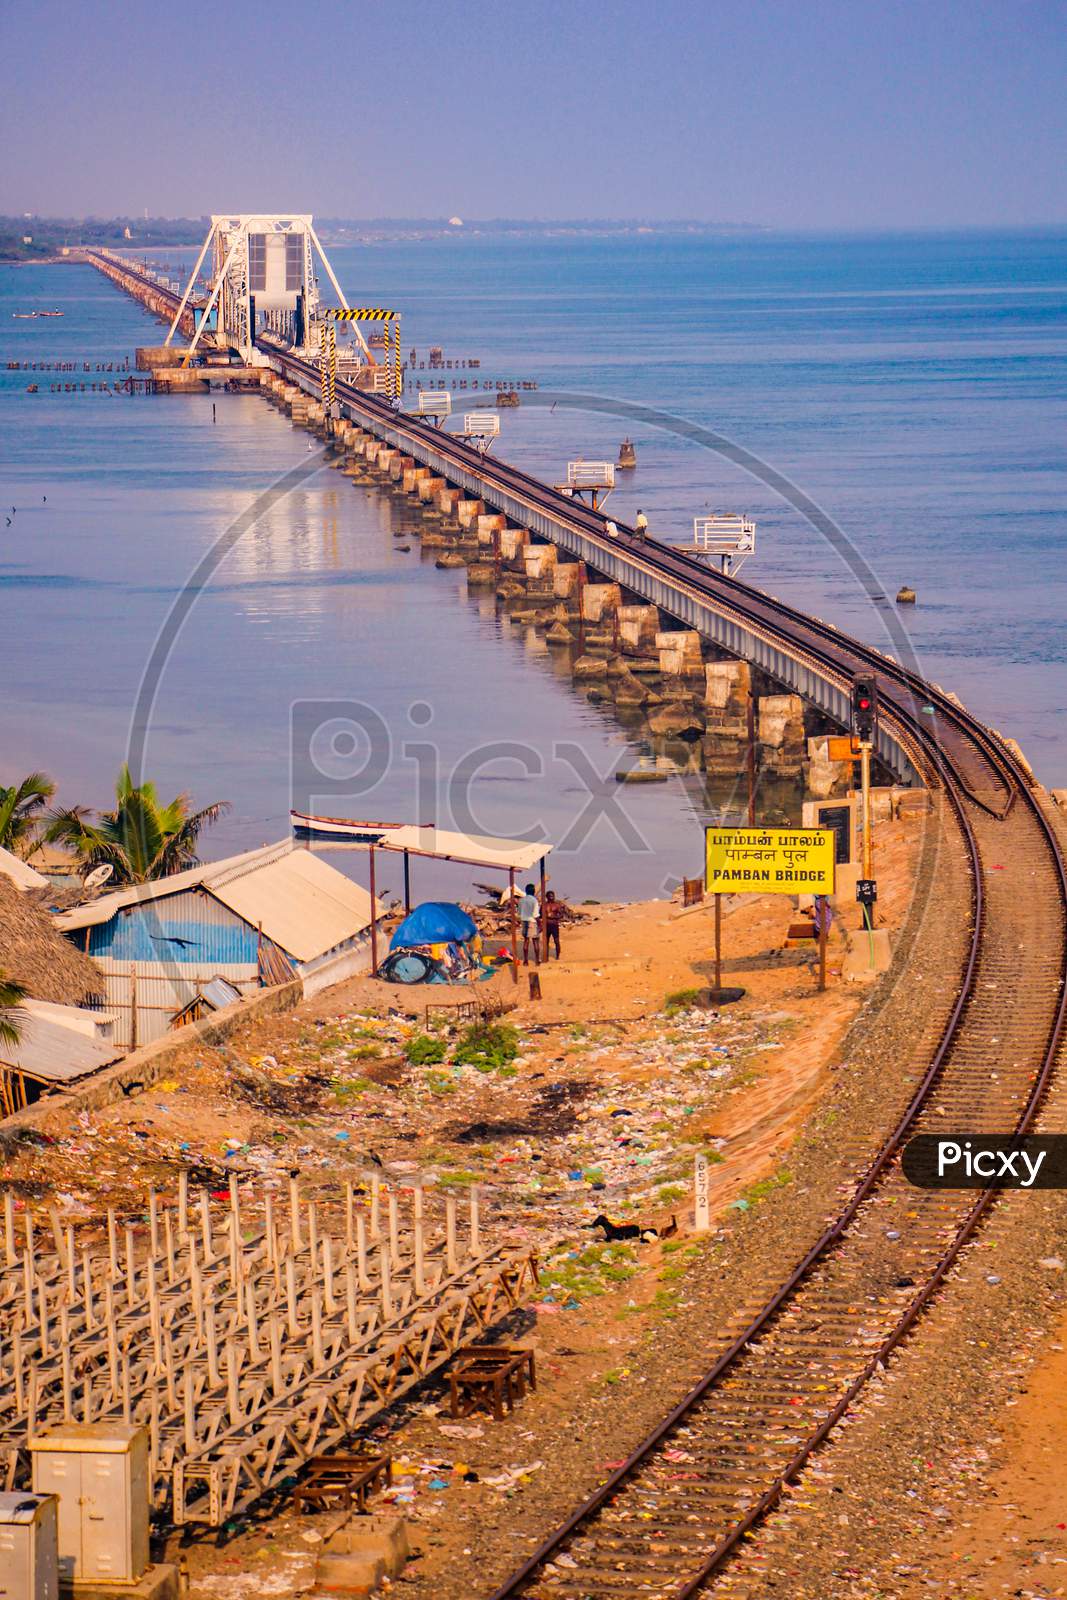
(37, 955)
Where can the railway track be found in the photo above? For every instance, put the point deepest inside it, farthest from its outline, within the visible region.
(670, 1518)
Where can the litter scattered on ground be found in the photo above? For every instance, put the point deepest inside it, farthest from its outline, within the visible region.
(556, 1127)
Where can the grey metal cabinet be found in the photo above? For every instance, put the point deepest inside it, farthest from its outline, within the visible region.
(99, 1471)
(29, 1568)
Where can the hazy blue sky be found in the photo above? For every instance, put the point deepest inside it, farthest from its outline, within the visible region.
(796, 113)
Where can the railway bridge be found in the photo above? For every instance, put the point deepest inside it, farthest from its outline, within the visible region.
(810, 658)
(773, 1394)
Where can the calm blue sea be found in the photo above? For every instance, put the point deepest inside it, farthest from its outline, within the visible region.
(913, 387)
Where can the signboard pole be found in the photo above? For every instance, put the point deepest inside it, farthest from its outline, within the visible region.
(751, 720)
(514, 926)
(718, 941)
(373, 918)
(822, 954)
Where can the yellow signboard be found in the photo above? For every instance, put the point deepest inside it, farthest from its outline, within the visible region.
(769, 860)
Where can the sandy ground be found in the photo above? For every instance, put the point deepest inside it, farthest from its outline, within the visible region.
(1021, 1532)
(739, 1084)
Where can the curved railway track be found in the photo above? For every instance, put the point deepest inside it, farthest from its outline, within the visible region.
(670, 1518)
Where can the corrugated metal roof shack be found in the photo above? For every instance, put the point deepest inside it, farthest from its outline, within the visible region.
(255, 919)
(56, 1047)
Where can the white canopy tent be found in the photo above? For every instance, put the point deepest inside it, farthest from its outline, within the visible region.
(436, 844)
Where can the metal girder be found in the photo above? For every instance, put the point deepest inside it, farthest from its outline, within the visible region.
(244, 1351)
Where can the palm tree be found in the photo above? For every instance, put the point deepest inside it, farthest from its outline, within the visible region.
(21, 811)
(12, 995)
(140, 839)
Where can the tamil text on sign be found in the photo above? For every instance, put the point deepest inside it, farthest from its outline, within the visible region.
(769, 860)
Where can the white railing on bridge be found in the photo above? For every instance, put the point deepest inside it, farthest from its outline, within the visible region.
(724, 534)
(435, 403)
(481, 424)
(591, 474)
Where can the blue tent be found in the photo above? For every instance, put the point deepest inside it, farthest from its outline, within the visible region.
(434, 922)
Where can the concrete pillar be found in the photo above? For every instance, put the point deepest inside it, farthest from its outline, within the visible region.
(447, 501)
(565, 579)
(727, 685)
(468, 512)
(513, 542)
(600, 600)
(639, 626)
(412, 477)
(429, 488)
(781, 734)
(680, 655)
(490, 525)
(540, 561)
(399, 465)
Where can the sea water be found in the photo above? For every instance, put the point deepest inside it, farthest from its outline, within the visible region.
(911, 388)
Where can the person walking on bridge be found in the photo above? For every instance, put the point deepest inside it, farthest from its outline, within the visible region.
(641, 525)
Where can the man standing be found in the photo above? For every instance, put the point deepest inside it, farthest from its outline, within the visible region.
(528, 921)
(641, 525)
(554, 912)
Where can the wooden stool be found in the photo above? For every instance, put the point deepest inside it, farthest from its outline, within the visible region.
(490, 1375)
(340, 1482)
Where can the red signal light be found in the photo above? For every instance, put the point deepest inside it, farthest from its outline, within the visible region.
(863, 702)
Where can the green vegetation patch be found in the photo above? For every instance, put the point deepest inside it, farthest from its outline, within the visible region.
(681, 1000)
(422, 1051)
(488, 1047)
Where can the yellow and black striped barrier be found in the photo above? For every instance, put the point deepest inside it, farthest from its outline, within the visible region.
(364, 314)
(372, 314)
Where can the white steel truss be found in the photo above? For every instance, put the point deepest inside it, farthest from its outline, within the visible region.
(291, 311)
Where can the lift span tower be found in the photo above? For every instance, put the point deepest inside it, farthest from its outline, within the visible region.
(262, 280)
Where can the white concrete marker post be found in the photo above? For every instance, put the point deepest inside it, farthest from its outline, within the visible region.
(701, 1201)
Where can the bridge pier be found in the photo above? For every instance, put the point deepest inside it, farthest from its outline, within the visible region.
(780, 730)
(468, 512)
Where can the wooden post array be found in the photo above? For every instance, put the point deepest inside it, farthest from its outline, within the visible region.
(246, 1346)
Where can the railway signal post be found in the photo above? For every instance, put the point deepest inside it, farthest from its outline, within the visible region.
(864, 721)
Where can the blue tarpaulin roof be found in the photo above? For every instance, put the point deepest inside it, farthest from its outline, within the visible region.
(434, 922)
